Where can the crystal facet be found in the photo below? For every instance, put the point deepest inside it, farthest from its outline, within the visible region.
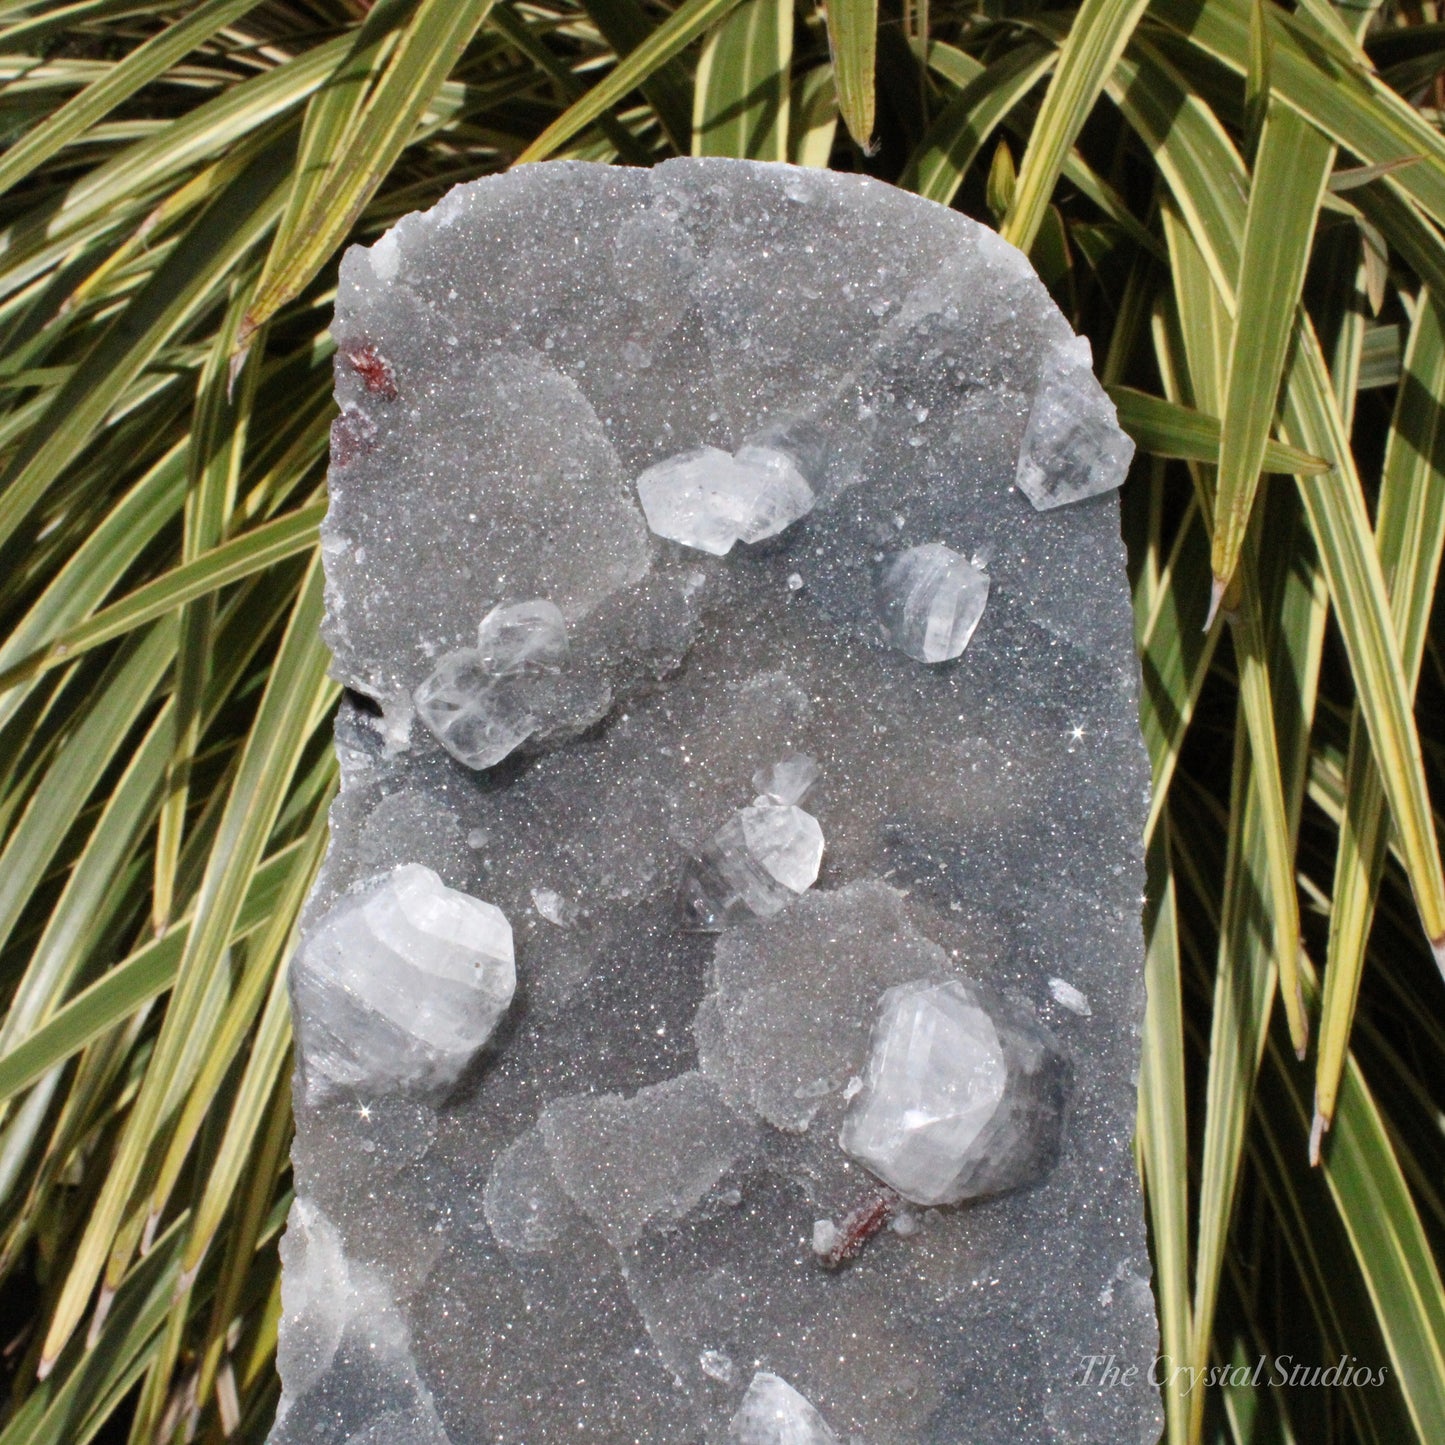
(1072, 446)
(481, 703)
(959, 1099)
(400, 985)
(931, 600)
(788, 781)
(762, 858)
(774, 1413)
(708, 500)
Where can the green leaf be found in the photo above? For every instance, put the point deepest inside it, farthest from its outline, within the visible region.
(1411, 538)
(672, 36)
(952, 143)
(1096, 40)
(138, 69)
(743, 88)
(278, 735)
(1293, 164)
(813, 117)
(1169, 429)
(323, 210)
(244, 556)
(853, 42)
(134, 981)
(180, 288)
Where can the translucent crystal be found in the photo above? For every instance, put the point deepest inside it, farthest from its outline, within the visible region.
(789, 781)
(930, 600)
(774, 1413)
(708, 500)
(1072, 446)
(1073, 999)
(481, 703)
(645, 1160)
(400, 985)
(522, 637)
(961, 1097)
(762, 858)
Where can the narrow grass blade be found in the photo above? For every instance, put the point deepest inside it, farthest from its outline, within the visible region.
(1391, 1248)
(138, 69)
(321, 218)
(1352, 107)
(180, 287)
(83, 757)
(671, 37)
(1169, 429)
(277, 736)
(244, 556)
(743, 88)
(1411, 538)
(1096, 40)
(133, 982)
(853, 41)
(952, 143)
(1163, 1126)
(625, 25)
(1292, 166)
(813, 117)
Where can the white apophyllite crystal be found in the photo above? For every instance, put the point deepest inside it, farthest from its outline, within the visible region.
(1073, 999)
(1072, 446)
(400, 985)
(762, 858)
(788, 781)
(774, 1413)
(958, 1101)
(716, 1366)
(708, 500)
(930, 600)
(481, 703)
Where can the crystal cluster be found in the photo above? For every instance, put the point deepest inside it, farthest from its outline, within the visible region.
(481, 702)
(708, 500)
(679, 518)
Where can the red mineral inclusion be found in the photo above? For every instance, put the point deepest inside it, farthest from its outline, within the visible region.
(352, 434)
(373, 369)
(860, 1225)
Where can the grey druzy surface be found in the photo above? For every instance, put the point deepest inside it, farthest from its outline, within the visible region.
(603, 1229)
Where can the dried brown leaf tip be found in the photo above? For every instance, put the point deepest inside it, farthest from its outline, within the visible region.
(373, 369)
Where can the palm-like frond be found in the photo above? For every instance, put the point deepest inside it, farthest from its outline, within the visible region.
(1240, 203)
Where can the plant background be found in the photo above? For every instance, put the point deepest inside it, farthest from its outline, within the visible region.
(1239, 201)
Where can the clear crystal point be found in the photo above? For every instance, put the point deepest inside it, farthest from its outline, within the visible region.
(788, 781)
(481, 703)
(709, 500)
(762, 858)
(1072, 446)
(930, 600)
(523, 637)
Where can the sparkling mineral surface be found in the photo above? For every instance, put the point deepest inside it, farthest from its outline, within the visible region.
(717, 1018)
